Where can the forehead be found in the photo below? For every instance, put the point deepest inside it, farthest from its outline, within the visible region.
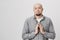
(37, 5)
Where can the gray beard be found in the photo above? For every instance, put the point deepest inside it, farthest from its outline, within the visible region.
(38, 14)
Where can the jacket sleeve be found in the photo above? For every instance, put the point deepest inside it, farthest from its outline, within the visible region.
(51, 33)
(25, 32)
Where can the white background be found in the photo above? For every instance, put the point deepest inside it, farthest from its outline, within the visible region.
(14, 12)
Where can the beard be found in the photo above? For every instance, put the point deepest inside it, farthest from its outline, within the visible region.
(38, 14)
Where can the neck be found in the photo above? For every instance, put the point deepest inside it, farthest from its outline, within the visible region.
(37, 17)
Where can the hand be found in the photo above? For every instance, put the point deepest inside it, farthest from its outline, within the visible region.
(41, 29)
(36, 29)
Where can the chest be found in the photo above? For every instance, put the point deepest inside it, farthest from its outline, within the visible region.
(32, 25)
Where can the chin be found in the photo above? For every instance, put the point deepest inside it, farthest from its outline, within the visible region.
(38, 14)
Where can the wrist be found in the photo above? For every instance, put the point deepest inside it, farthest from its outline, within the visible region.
(43, 32)
(35, 33)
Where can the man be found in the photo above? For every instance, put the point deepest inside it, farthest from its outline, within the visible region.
(38, 27)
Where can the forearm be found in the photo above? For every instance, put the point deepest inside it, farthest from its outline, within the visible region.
(49, 35)
(28, 35)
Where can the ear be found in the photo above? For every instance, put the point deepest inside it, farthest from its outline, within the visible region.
(42, 9)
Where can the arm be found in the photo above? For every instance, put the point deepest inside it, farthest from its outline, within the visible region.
(25, 32)
(51, 33)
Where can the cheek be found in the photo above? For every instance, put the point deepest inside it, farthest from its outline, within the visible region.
(40, 10)
(35, 10)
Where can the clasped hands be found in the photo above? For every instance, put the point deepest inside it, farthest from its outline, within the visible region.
(39, 28)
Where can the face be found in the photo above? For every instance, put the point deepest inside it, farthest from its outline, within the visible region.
(37, 9)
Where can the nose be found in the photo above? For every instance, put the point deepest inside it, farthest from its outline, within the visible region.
(37, 9)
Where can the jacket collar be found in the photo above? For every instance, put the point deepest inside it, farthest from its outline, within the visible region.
(41, 20)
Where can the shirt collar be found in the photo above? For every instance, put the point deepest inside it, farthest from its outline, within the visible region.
(42, 16)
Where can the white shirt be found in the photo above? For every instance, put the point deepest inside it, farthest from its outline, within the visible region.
(39, 19)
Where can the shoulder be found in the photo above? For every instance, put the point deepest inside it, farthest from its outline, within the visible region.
(29, 19)
(47, 18)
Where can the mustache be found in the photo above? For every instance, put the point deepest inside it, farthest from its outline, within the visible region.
(38, 14)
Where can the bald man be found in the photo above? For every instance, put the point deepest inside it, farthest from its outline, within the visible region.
(38, 27)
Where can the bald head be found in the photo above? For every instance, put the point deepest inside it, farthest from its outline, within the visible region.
(37, 8)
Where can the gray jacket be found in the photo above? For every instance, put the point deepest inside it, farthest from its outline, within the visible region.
(29, 28)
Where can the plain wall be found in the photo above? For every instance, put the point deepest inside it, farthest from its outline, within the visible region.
(14, 12)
